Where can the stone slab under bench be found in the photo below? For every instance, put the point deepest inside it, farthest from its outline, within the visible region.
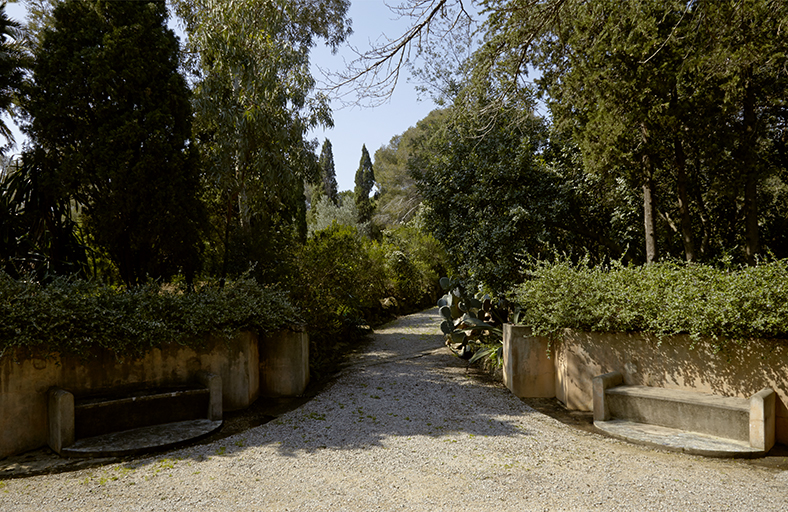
(672, 439)
(142, 440)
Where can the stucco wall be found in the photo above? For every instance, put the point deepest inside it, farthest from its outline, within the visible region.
(670, 363)
(24, 384)
(284, 363)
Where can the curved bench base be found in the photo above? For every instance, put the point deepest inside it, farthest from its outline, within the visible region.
(142, 440)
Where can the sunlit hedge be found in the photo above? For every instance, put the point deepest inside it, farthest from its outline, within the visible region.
(74, 316)
(665, 298)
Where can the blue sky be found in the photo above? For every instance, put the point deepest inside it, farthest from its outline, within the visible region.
(353, 126)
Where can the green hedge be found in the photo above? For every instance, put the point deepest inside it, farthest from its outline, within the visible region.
(663, 298)
(75, 316)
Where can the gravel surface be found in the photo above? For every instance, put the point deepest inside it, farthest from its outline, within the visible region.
(406, 427)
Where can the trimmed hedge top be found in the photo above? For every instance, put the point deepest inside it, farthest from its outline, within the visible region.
(74, 316)
(663, 298)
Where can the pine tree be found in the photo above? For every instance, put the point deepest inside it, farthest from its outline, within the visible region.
(328, 173)
(365, 180)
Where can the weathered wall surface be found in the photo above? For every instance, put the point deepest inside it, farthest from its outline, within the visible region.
(284, 363)
(528, 370)
(24, 384)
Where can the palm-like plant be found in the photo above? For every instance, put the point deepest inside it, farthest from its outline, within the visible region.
(13, 62)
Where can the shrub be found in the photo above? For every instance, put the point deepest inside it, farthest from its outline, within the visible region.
(663, 298)
(339, 283)
(75, 316)
(415, 262)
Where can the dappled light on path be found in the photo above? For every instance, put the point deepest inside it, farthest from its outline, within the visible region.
(407, 426)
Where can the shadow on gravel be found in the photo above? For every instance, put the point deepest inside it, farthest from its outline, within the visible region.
(404, 385)
(427, 393)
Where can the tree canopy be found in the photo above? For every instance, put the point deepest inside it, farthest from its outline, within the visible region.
(110, 131)
(680, 103)
(254, 103)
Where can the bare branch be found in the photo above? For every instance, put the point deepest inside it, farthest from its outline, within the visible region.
(375, 73)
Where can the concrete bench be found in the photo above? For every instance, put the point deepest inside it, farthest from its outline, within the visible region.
(745, 420)
(133, 421)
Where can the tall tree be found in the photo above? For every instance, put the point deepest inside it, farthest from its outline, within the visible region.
(399, 198)
(365, 181)
(663, 94)
(328, 173)
(254, 104)
(110, 129)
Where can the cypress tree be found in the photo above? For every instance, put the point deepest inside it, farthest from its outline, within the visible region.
(365, 180)
(328, 172)
(111, 126)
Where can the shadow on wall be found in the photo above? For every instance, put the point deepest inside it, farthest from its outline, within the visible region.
(675, 362)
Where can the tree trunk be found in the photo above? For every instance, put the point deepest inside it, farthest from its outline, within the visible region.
(649, 218)
(227, 220)
(649, 202)
(748, 162)
(751, 216)
(681, 191)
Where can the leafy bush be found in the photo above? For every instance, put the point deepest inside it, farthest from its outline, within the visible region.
(339, 283)
(74, 316)
(663, 298)
(415, 262)
(324, 213)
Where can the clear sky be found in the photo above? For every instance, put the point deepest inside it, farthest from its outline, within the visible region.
(353, 126)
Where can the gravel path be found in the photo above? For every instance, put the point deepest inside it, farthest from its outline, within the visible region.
(406, 428)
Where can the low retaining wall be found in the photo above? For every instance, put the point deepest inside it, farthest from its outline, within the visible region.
(644, 359)
(284, 363)
(24, 385)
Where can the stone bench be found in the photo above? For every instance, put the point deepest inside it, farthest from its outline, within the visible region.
(637, 413)
(133, 421)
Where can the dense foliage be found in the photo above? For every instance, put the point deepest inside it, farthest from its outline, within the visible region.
(666, 133)
(110, 132)
(725, 304)
(684, 101)
(347, 282)
(495, 189)
(254, 103)
(71, 316)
